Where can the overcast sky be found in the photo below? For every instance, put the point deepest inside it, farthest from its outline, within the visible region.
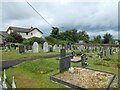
(90, 15)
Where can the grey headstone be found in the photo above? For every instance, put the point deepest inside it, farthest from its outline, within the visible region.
(62, 53)
(83, 62)
(28, 47)
(64, 63)
(21, 49)
(50, 48)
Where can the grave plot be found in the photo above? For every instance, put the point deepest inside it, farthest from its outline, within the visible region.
(81, 77)
(84, 78)
(74, 58)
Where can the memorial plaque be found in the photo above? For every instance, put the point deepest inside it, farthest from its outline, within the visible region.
(21, 49)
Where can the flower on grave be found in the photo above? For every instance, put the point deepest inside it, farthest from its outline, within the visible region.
(71, 69)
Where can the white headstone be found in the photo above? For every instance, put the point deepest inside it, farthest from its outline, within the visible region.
(60, 46)
(35, 47)
(55, 48)
(4, 85)
(4, 75)
(45, 47)
(81, 47)
(13, 83)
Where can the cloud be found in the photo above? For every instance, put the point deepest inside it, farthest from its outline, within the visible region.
(89, 16)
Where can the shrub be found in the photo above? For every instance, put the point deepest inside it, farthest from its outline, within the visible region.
(32, 40)
(107, 59)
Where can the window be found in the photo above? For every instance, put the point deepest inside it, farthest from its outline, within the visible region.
(31, 33)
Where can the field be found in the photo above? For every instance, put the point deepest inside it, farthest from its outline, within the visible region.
(36, 74)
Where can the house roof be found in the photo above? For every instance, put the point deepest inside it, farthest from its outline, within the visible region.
(3, 33)
(23, 30)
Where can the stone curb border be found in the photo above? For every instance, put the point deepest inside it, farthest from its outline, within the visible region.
(78, 87)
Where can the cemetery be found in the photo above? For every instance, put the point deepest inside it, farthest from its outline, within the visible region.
(93, 70)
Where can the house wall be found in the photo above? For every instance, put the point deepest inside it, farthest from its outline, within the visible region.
(34, 33)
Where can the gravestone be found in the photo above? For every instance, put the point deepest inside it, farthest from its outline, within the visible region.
(17, 48)
(7, 49)
(35, 47)
(45, 47)
(105, 53)
(50, 48)
(65, 46)
(21, 49)
(55, 48)
(101, 54)
(28, 47)
(64, 63)
(72, 55)
(110, 51)
(62, 53)
(83, 62)
(81, 47)
(60, 46)
(13, 84)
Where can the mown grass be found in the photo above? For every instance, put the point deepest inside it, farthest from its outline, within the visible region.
(36, 74)
(14, 54)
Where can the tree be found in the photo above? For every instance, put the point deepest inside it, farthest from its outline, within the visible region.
(82, 35)
(55, 32)
(107, 38)
(97, 39)
(14, 38)
(31, 40)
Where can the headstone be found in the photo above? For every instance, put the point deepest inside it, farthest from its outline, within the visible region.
(81, 47)
(105, 53)
(13, 83)
(64, 63)
(72, 55)
(17, 48)
(101, 54)
(21, 49)
(55, 48)
(28, 47)
(110, 51)
(35, 47)
(62, 53)
(60, 46)
(50, 48)
(83, 62)
(65, 46)
(45, 47)
(7, 49)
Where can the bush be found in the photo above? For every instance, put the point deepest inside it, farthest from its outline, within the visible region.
(30, 41)
(107, 59)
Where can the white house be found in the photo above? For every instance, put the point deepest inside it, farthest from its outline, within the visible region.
(26, 32)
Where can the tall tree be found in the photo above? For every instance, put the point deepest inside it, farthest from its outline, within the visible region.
(14, 38)
(107, 38)
(55, 32)
(97, 39)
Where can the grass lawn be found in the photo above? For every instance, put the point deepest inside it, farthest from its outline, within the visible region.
(36, 74)
(14, 54)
